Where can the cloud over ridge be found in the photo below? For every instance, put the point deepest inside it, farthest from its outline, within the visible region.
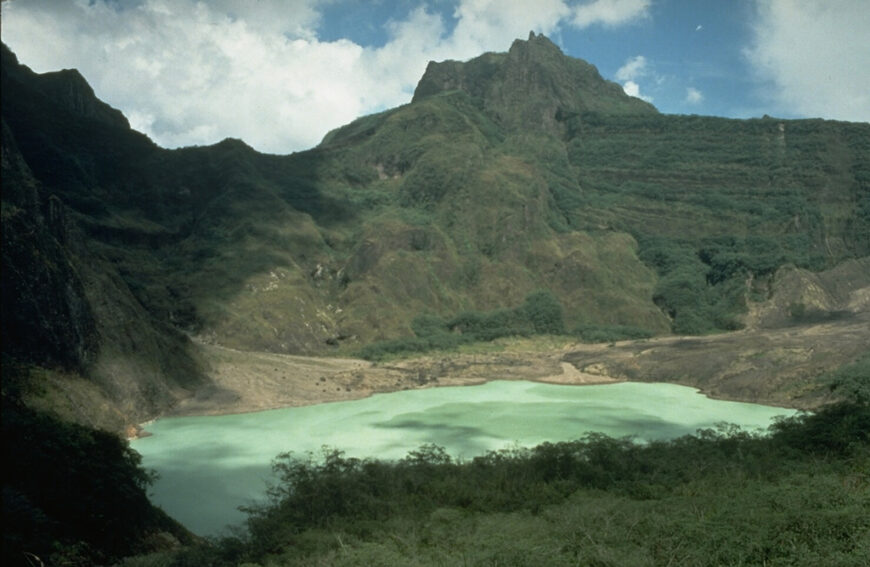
(814, 56)
(187, 72)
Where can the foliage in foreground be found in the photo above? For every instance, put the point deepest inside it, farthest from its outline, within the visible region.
(799, 496)
(72, 495)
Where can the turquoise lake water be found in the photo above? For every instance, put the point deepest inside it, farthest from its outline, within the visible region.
(209, 466)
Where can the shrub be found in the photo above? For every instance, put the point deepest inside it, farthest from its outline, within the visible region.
(544, 312)
(72, 490)
(852, 381)
(429, 325)
(541, 313)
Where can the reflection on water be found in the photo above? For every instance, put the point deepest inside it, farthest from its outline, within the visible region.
(209, 466)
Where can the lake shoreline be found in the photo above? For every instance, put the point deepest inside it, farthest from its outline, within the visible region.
(782, 367)
(248, 382)
(775, 367)
(141, 432)
(211, 465)
(234, 390)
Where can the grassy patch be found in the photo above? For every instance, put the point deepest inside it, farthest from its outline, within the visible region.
(540, 314)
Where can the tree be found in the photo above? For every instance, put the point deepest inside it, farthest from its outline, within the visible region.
(544, 312)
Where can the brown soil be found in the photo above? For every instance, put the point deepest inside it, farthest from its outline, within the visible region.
(772, 366)
(244, 381)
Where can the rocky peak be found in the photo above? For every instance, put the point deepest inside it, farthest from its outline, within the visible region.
(539, 44)
(532, 86)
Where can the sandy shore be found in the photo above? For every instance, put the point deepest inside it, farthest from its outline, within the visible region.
(774, 367)
(571, 376)
(243, 381)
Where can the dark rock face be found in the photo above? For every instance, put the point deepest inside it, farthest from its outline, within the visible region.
(46, 317)
(69, 89)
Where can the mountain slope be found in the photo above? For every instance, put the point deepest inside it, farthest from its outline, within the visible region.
(506, 174)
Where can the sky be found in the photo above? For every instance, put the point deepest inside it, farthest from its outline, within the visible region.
(279, 74)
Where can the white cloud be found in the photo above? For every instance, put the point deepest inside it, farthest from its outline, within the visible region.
(813, 56)
(485, 23)
(633, 69)
(610, 12)
(694, 96)
(190, 72)
(187, 73)
(633, 89)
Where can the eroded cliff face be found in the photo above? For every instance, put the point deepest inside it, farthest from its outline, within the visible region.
(46, 315)
(804, 297)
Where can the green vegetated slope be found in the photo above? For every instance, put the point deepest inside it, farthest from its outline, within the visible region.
(70, 164)
(501, 179)
(507, 174)
(717, 203)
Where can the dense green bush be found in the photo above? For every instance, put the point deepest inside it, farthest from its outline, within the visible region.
(797, 496)
(544, 312)
(429, 325)
(540, 314)
(71, 494)
(490, 325)
(702, 285)
(852, 381)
